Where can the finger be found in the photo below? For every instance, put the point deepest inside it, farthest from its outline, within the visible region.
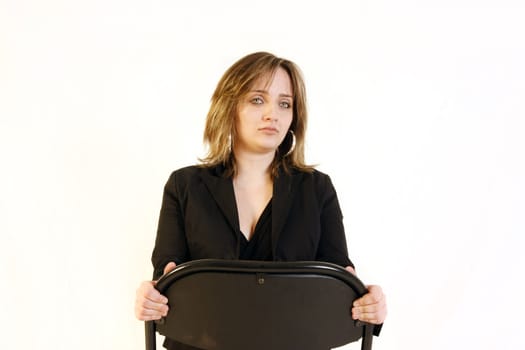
(372, 318)
(374, 295)
(151, 313)
(149, 318)
(145, 308)
(158, 307)
(148, 291)
(169, 267)
(367, 299)
(147, 315)
(155, 296)
(143, 313)
(366, 309)
(375, 313)
(351, 270)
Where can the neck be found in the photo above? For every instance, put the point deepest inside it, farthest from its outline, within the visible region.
(253, 167)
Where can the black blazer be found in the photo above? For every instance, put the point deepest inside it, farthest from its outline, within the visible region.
(199, 219)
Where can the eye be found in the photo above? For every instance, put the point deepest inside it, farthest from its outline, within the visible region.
(257, 100)
(285, 104)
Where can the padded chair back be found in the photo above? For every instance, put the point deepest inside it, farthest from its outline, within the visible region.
(239, 305)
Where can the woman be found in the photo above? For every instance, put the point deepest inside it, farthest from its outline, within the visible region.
(253, 197)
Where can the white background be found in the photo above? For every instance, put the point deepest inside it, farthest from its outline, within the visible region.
(416, 112)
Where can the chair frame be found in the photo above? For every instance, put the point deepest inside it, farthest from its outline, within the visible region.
(263, 272)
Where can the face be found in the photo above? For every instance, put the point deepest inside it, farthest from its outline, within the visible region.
(265, 114)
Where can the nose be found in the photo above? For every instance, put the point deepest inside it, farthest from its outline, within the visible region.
(269, 112)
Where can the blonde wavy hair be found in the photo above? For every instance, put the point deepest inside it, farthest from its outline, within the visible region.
(220, 132)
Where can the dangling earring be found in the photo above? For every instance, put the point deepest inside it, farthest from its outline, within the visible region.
(230, 143)
(292, 146)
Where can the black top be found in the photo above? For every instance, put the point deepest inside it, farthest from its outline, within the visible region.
(259, 247)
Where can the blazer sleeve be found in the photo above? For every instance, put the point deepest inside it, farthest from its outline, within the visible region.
(332, 244)
(170, 243)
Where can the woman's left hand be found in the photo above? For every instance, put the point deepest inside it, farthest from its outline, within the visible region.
(371, 307)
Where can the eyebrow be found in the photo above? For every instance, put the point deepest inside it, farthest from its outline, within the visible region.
(266, 92)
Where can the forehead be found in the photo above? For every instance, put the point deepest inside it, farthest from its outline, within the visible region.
(279, 79)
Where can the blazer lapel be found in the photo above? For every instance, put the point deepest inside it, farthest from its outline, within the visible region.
(221, 189)
(284, 190)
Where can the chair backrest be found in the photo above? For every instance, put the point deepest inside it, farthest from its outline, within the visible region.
(239, 305)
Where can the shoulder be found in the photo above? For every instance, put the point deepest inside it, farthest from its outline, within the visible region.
(315, 177)
(182, 174)
(187, 171)
(193, 174)
(307, 184)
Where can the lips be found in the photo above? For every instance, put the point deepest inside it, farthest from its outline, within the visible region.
(269, 130)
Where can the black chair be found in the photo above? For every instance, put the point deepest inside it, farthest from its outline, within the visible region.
(240, 305)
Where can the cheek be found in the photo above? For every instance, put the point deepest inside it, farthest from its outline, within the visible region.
(285, 125)
(287, 120)
(247, 115)
(241, 119)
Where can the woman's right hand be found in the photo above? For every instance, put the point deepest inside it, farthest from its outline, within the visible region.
(149, 303)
